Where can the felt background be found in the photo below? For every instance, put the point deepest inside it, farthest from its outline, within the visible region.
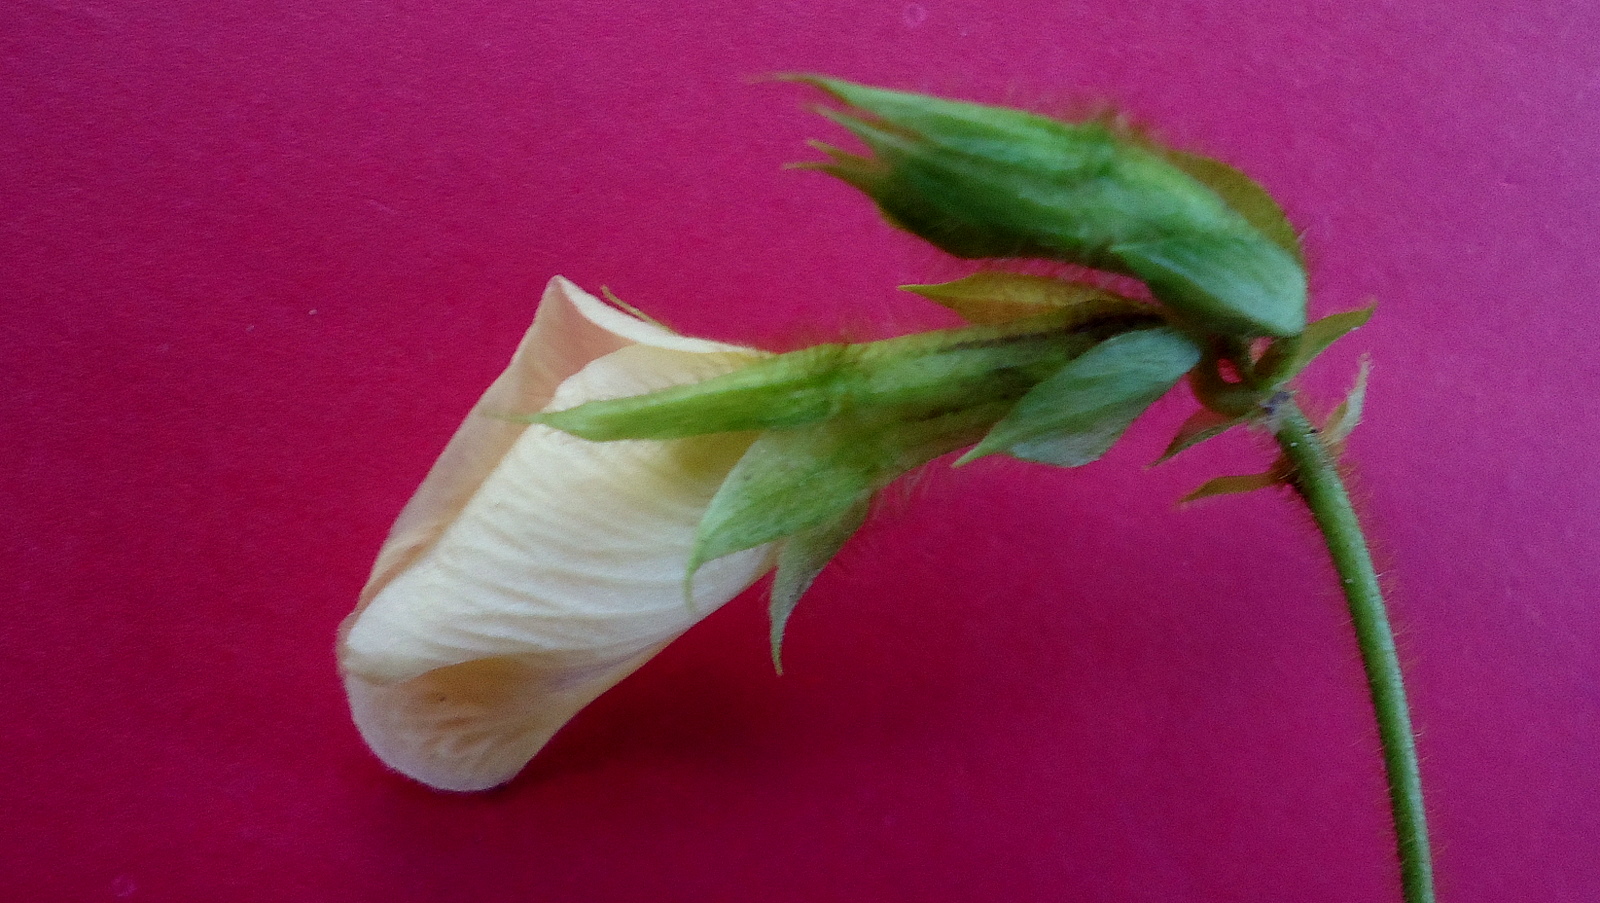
(258, 258)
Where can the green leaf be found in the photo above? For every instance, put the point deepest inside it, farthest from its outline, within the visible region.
(999, 297)
(800, 559)
(1202, 425)
(1234, 485)
(1286, 358)
(1075, 415)
(1344, 419)
(907, 377)
(1245, 195)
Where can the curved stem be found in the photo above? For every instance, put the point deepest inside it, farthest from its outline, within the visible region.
(1316, 477)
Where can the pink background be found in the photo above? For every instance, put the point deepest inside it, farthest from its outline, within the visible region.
(257, 259)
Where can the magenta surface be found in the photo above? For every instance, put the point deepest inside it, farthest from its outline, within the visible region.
(257, 259)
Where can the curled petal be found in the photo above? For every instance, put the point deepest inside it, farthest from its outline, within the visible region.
(532, 571)
(572, 328)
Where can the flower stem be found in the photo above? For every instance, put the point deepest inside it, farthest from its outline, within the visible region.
(1315, 476)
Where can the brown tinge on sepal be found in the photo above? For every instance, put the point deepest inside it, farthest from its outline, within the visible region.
(1234, 485)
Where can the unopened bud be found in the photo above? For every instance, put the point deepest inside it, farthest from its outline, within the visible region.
(981, 181)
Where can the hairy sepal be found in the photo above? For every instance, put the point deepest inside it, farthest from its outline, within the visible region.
(906, 378)
(792, 481)
(1075, 415)
(995, 296)
(1203, 425)
(990, 182)
(1286, 358)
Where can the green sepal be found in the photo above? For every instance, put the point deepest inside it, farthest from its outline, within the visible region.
(772, 393)
(907, 377)
(995, 296)
(792, 481)
(995, 195)
(1075, 415)
(801, 558)
(1285, 358)
(787, 482)
(980, 181)
(1235, 485)
(1202, 425)
(1245, 195)
(1347, 416)
(1234, 284)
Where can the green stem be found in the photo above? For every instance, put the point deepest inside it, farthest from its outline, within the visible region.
(1316, 476)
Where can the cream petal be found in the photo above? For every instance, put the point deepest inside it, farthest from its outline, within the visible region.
(572, 550)
(558, 572)
(571, 329)
(472, 726)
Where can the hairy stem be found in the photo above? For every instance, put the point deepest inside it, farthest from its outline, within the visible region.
(1316, 477)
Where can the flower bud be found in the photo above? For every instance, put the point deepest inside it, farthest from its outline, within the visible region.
(533, 570)
(981, 181)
